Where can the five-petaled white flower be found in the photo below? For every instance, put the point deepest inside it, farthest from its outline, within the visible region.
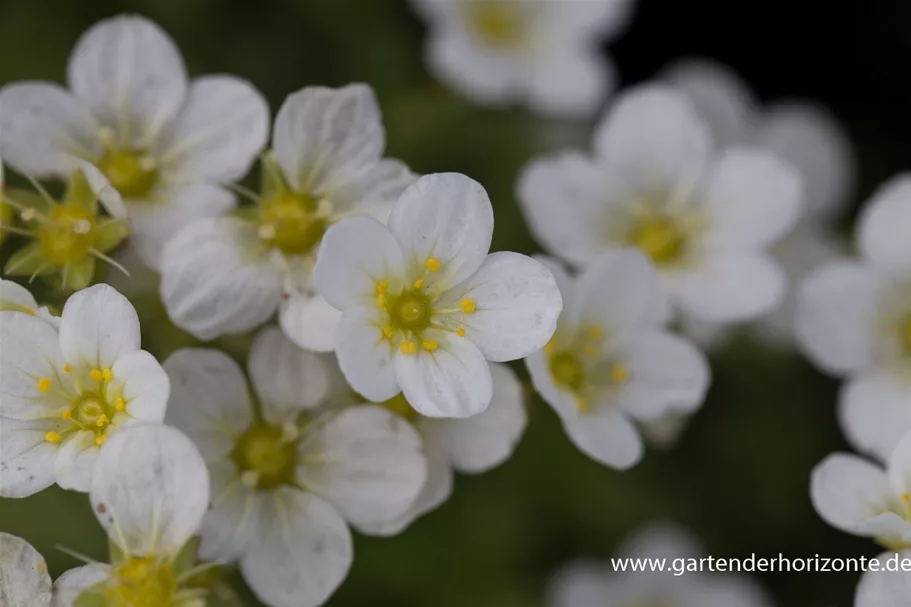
(150, 492)
(24, 579)
(544, 52)
(704, 218)
(589, 584)
(63, 393)
(612, 362)
(859, 497)
(229, 275)
(287, 476)
(889, 585)
(164, 142)
(425, 306)
(854, 321)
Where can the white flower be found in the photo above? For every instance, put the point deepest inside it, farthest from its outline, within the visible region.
(425, 307)
(16, 298)
(471, 446)
(854, 321)
(886, 587)
(65, 394)
(163, 141)
(286, 477)
(544, 52)
(612, 362)
(587, 584)
(24, 580)
(655, 183)
(859, 497)
(229, 275)
(150, 491)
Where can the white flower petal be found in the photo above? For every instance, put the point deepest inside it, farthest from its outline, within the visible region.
(236, 518)
(287, 380)
(486, 440)
(109, 197)
(367, 462)
(882, 235)
(448, 217)
(98, 326)
(899, 466)
(71, 583)
(30, 351)
(582, 584)
(563, 199)
(143, 384)
(309, 321)
(355, 254)
(483, 77)
(26, 459)
(732, 288)
(217, 278)
(753, 199)
(874, 411)
(836, 317)
(561, 276)
(607, 436)
(24, 580)
(303, 554)
(571, 81)
(377, 184)
(885, 588)
(666, 375)
(130, 73)
(543, 382)
(452, 381)
(209, 399)
(365, 357)
(75, 461)
(652, 135)
(517, 306)
(323, 137)
(14, 297)
(151, 489)
(41, 123)
(849, 491)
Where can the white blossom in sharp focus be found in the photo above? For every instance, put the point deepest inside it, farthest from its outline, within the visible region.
(65, 392)
(16, 298)
(706, 218)
(286, 475)
(150, 491)
(612, 363)
(229, 275)
(854, 321)
(165, 142)
(425, 307)
(24, 579)
(589, 584)
(861, 498)
(888, 587)
(545, 53)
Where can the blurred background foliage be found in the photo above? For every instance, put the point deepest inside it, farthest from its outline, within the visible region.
(738, 477)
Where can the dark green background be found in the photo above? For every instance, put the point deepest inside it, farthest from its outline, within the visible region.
(739, 477)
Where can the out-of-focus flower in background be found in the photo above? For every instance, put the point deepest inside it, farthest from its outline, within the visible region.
(24, 578)
(885, 587)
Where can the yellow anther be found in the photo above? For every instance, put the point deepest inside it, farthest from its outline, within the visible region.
(430, 345)
(67, 368)
(433, 264)
(53, 437)
(591, 350)
(96, 374)
(619, 373)
(100, 439)
(418, 283)
(102, 420)
(28, 214)
(468, 306)
(120, 404)
(595, 332)
(45, 384)
(581, 405)
(460, 332)
(381, 287)
(107, 374)
(380, 300)
(66, 415)
(408, 347)
(388, 331)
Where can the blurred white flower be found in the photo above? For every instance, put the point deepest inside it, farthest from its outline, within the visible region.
(286, 477)
(612, 362)
(546, 53)
(587, 584)
(861, 498)
(470, 446)
(854, 321)
(705, 219)
(65, 394)
(163, 141)
(150, 492)
(425, 307)
(228, 275)
(16, 298)
(885, 588)
(24, 579)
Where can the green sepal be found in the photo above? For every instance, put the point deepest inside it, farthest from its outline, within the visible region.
(110, 233)
(272, 178)
(6, 218)
(29, 199)
(28, 261)
(186, 558)
(80, 193)
(94, 596)
(79, 274)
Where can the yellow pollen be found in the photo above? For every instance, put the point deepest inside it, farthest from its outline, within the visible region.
(45, 384)
(468, 306)
(100, 439)
(381, 287)
(408, 347)
(120, 404)
(660, 238)
(102, 420)
(460, 332)
(418, 283)
(433, 264)
(53, 437)
(66, 415)
(430, 345)
(107, 374)
(388, 331)
(96, 374)
(619, 373)
(380, 300)
(67, 368)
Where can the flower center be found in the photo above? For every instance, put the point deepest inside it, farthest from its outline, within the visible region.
(131, 172)
(497, 23)
(68, 235)
(143, 582)
(410, 311)
(290, 222)
(660, 238)
(401, 407)
(265, 452)
(567, 371)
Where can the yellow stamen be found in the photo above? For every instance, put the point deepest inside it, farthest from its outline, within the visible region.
(595, 332)
(460, 332)
(96, 374)
(433, 264)
(619, 373)
(380, 300)
(107, 374)
(591, 350)
(418, 283)
(381, 287)
(408, 347)
(102, 420)
(120, 404)
(468, 306)
(45, 384)
(53, 437)
(430, 345)
(581, 404)
(388, 331)
(66, 415)
(99, 440)
(67, 368)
